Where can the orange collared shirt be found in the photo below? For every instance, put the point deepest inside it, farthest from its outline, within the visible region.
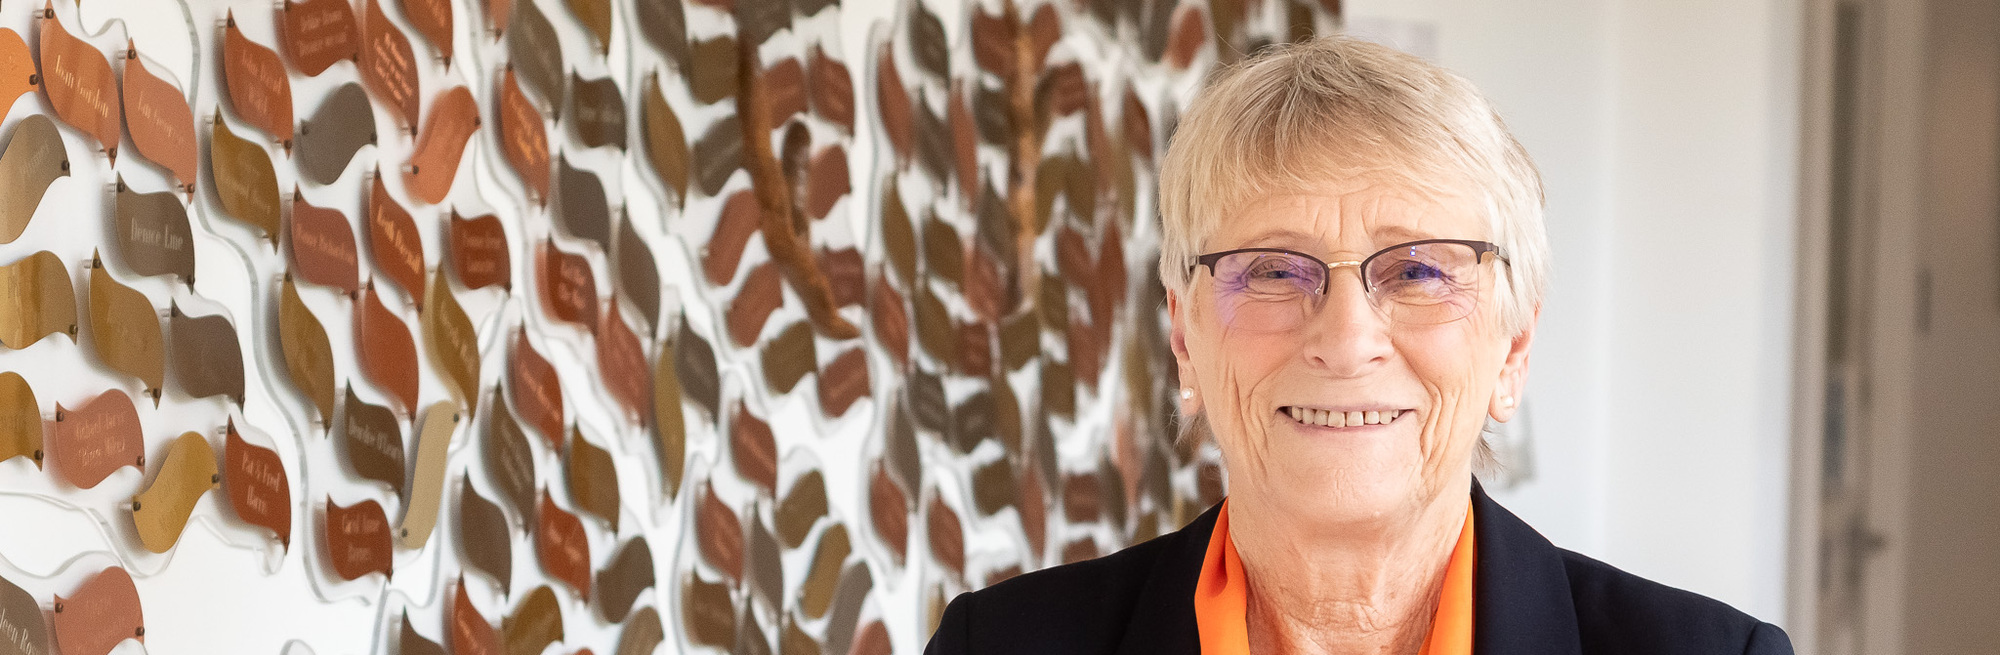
(1222, 597)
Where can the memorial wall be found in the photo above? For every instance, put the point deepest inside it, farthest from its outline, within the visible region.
(615, 326)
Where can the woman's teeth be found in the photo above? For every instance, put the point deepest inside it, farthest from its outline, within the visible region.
(1332, 419)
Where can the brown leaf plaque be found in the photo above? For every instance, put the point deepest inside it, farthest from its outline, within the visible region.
(372, 440)
(125, 329)
(535, 624)
(478, 247)
(739, 220)
(420, 509)
(581, 207)
(569, 289)
(451, 341)
(947, 536)
(618, 585)
(468, 632)
(484, 536)
(766, 568)
(832, 90)
(562, 547)
(90, 442)
(718, 155)
(434, 164)
(892, 321)
(708, 613)
(666, 142)
(409, 642)
(22, 620)
(894, 101)
(79, 82)
(327, 142)
(100, 614)
(638, 272)
(669, 426)
(394, 243)
(432, 19)
(536, 52)
(162, 125)
(816, 594)
(712, 71)
(536, 390)
(718, 534)
(694, 364)
(258, 489)
(323, 250)
(20, 419)
(317, 33)
(664, 24)
(597, 110)
(643, 631)
(593, 479)
(754, 449)
(384, 349)
(524, 141)
(596, 18)
(509, 460)
(35, 157)
(762, 293)
(152, 233)
(244, 180)
(786, 82)
(357, 539)
(826, 181)
(161, 511)
(801, 509)
(388, 66)
(788, 357)
(259, 90)
(308, 353)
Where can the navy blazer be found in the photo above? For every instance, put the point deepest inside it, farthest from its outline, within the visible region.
(1530, 598)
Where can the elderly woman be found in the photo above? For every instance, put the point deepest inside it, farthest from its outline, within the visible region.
(1354, 259)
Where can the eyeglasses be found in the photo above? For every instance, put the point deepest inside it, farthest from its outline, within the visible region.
(1417, 283)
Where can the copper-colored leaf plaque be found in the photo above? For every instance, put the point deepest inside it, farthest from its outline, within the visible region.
(21, 620)
(409, 642)
(36, 300)
(100, 614)
(434, 164)
(259, 90)
(259, 492)
(468, 632)
(524, 141)
(619, 584)
(822, 580)
(593, 479)
(754, 449)
(420, 511)
(509, 460)
(162, 125)
(388, 67)
(393, 241)
(244, 179)
(20, 420)
(125, 329)
(623, 365)
(152, 234)
(432, 18)
(741, 217)
(317, 33)
(357, 539)
(35, 157)
(17, 68)
(161, 511)
(569, 289)
(597, 110)
(666, 142)
(384, 349)
(79, 82)
(478, 248)
(328, 141)
(534, 624)
(483, 536)
(718, 534)
(308, 353)
(561, 546)
(536, 389)
(453, 346)
(323, 250)
(372, 440)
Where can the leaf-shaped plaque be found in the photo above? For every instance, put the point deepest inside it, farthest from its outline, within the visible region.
(581, 205)
(894, 101)
(17, 67)
(420, 512)
(432, 19)
(741, 218)
(754, 449)
(323, 250)
(157, 115)
(669, 428)
(843, 381)
(766, 566)
(848, 597)
(562, 547)
(20, 421)
(718, 534)
(317, 33)
(259, 90)
(125, 329)
(569, 289)
(161, 511)
(708, 613)
(666, 142)
(816, 594)
(35, 157)
(308, 353)
(593, 479)
(343, 124)
(596, 18)
(537, 54)
(372, 440)
(535, 623)
(718, 155)
(642, 632)
(664, 23)
(497, 13)
(153, 234)
(712, 71)
(483, 536)
(832, 91)
(524, 141)
(623, 365)
(891, 317)
(384, 349)
(597, 110)
(388, 66)
(947, 536)
(394, 243)
(469, 633)
(258, 490)
(888, 510)
(411, 643)
(79, 82)
(826, 181)
(245, 182)
(100, 614)
(478, 248)
(509, 460)
(694, 364)
(638, 273)
(434, 164)
(762, 293)
(801, 509)
(36, 300)
(788, 357)
(453, 345)
(536, 390)
(785, 81)
(357, 539)
(21, 615)
(619, 584)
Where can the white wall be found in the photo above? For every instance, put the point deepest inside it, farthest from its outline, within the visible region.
(1660, 384)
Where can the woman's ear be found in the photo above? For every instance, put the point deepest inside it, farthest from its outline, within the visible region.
(1514, 372)
(1177, 341)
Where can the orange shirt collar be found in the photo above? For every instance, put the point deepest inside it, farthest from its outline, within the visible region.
(1222, 597)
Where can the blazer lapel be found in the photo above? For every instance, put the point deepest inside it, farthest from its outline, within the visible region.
(1521, 597)
(1163, 615)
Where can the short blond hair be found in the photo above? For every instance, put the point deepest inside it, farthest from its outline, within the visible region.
(1296, 113)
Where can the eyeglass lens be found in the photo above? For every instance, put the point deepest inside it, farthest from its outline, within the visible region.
(1423, 284)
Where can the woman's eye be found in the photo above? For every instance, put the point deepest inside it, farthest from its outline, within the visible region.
(1416, 272)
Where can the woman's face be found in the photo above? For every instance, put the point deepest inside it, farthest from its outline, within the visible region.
(1428, 387)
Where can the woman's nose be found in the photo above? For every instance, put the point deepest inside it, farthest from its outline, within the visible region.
(1346, 336)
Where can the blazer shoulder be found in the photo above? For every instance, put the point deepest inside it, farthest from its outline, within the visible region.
(1082, 607)
(1618, 612)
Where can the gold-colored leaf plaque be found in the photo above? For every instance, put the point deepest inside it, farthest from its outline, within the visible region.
(596, 18)
(434, 165)
(100, 614)
(669, 427)
(36, 300)
(79, 82)
(161, 123)
(308, 353)
(593, 479)
(357, 539)
(420, 512)
(666, 142)
(259, 491)
(259, 89)
(388, 66)
(816, 594)
(35, 157)
(788, 357)
(372, 440)
(322, 244)
(244, 179)
(561, 546)
(453, 345)
(20, 420)
(161, 511)
(535, 624)
(384, 349)
(801, 509)
(125, 329)
(152, 233)
(317, 33)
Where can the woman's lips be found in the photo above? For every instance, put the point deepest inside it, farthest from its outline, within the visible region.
(1339, 419)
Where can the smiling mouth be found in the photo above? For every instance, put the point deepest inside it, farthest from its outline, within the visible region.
(1327, 418)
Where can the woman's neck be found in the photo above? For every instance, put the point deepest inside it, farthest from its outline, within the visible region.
(1369, 588)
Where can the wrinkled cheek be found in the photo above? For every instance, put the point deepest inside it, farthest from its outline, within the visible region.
(1234, 396)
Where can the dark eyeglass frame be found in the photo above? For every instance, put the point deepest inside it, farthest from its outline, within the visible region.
(1479, 249)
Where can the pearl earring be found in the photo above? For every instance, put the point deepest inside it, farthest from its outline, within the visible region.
(1507, 402)
(1187, 393)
